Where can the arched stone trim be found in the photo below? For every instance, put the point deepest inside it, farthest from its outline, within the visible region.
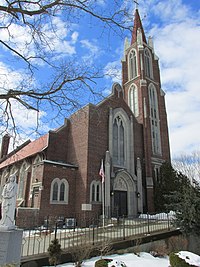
(22, 179)
(57, 184)
(117, 89)
(132, 64)
(148, 63)
(95, 191)
(35, 164)
(14, 170)
(125, 182)
(37, 159)
(154, 120)
(128, 136)
(133, 99)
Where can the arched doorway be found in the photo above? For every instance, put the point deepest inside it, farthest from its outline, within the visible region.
(124, 202)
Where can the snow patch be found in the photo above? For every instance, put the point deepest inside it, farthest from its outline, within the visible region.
(189, 257)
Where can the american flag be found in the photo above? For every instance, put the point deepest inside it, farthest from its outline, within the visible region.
(101, 173)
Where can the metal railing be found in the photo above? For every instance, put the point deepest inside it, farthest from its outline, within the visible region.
(38, 240)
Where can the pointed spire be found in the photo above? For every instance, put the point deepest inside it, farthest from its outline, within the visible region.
(126, 46)
(137, 25)
(150, 42)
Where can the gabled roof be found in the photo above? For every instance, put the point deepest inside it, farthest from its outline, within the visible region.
(137, 25)
(30, 149)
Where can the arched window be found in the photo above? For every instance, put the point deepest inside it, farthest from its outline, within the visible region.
(55, 191)
(22, 180)
(133, 99)
(37, 159)
(62, 192)
(95, 191)
(154, 117)
(14, 170)
(118, 142)
(98, 192)
(59, 191)
(36, 163)
(148, 63)
(132, 64)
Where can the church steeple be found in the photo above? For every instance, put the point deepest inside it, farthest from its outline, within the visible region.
(137, 27)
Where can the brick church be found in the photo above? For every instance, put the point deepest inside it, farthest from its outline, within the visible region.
(58, 174)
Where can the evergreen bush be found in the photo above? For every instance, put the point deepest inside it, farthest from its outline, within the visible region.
(176, 261)
(54, 251)
(102, 262)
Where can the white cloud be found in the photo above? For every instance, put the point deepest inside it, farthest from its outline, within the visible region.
(112, 71)
(54, 37)
(171, 9)
(57, 37)
(74, 37)
(25, 120)
(93, 50)
(100, 2)
(8, 81)
(177, 44)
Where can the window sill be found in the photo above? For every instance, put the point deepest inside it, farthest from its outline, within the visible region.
(58, 202)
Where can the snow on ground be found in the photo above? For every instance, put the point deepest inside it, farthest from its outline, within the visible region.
(142, 260)
(161, 216)
(189, 257)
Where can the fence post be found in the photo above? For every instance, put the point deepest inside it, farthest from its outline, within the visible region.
(56, 227)
(93, 235)
(47, 230)
(148, 226)
(124, 237)
(168, 221)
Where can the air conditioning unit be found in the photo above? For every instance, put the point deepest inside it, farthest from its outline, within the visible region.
(70, 222)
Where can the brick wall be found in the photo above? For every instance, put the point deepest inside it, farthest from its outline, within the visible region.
(78, 153)
(51, 172)
(27, 218)
(58, 140)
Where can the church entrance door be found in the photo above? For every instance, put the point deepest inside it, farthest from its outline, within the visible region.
(120, 203)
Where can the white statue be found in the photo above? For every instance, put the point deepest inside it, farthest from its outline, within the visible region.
(9, 194)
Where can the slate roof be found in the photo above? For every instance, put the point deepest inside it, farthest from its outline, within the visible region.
(30, 149)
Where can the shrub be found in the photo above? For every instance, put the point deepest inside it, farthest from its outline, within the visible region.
(159, 250)
(80, 253)
(102, 262)
(176, 261)
(54, 251)
(177, 243)
(105, 248)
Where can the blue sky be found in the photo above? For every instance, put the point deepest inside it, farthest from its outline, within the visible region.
(175, 27)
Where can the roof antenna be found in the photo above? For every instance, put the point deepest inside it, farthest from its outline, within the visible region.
(136, 4)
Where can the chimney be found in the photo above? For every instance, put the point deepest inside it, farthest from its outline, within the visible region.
(4, 145)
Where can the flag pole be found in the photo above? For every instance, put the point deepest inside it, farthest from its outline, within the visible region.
(103, 204)
(102, 174)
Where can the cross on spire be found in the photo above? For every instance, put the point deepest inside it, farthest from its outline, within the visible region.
(136, 4)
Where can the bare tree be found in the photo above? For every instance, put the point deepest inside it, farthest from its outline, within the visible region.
(189, 165)
(68, 80)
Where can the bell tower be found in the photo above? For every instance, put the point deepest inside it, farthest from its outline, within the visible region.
(143, 94)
